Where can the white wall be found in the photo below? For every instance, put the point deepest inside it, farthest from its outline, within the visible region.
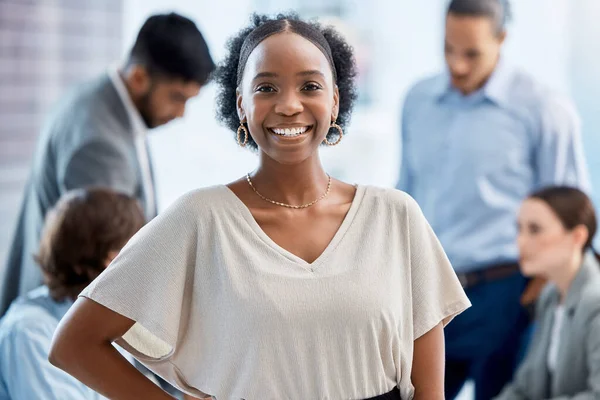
(584, 79)
(539, 40)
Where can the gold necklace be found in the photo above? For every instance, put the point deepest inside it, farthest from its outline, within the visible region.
(291, 205)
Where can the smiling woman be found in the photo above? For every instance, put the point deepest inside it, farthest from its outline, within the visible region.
(335, 50)
(285, 284)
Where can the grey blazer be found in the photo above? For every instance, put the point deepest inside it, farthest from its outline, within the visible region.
(88, 140)
(577, 375)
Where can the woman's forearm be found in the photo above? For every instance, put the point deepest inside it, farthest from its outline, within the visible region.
(428, 365)
(102, 368)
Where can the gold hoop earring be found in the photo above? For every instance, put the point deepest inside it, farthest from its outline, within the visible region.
(341, 135)
(239, 136)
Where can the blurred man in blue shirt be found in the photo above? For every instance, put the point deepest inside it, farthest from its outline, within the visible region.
(476, 140)
(82, 235)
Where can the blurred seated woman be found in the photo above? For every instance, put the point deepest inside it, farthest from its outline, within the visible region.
(556, 228)
(82, 235)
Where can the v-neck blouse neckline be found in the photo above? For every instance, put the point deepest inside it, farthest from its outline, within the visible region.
(335, 241)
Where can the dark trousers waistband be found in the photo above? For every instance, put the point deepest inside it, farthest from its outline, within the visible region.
(393, 395)
(489, 274)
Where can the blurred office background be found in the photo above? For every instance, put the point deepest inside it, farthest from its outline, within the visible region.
(48, 45)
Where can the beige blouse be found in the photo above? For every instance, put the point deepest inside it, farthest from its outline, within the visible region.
(221, 309)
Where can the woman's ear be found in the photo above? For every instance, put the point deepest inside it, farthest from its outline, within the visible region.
(239, 105)
(336, 104)
(581, 235)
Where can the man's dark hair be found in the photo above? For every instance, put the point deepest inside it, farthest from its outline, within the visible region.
(84, 227)
(338, 52)
(497, 10)
(171, 46)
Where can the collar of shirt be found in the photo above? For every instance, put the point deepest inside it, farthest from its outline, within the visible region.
(589, 268)
(139, 127)
(495, 89)
(139, 131)
(586, 273)
(41, 297)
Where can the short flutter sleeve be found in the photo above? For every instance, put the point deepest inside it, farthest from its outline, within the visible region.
(437, 295)
(151, 282)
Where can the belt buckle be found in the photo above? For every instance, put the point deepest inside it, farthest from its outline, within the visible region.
(462, 278)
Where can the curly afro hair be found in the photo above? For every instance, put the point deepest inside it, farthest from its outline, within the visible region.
(341, 56)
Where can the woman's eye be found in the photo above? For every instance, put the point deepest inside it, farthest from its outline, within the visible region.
(311, 87)
(265, 89)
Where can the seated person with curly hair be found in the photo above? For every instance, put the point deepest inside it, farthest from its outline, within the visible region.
(287, 283)
(82, 235)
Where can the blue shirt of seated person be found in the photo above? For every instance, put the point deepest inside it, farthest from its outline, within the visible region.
(83, 233)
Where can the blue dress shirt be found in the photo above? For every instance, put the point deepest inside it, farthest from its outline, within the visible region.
(25, 335)
(469, 161)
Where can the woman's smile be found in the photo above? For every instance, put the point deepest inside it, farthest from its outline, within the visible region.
(290, 132)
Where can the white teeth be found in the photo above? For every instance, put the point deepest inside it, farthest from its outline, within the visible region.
(290, 131)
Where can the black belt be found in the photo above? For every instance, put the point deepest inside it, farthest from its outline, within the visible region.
(489, 274)
(393, 395)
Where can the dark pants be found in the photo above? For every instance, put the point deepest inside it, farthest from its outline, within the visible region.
(394, 394)
(485, 342)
